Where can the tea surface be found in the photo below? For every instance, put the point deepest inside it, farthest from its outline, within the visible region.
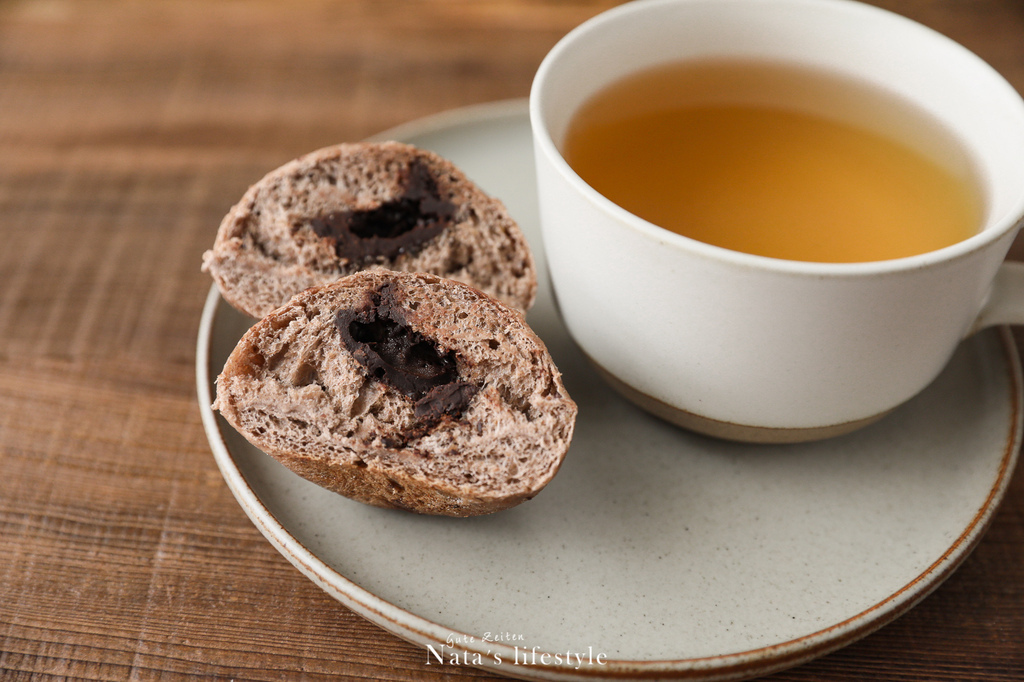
(775, 161)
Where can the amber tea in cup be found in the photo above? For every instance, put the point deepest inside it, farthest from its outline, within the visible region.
(776, 160)
(779, 349)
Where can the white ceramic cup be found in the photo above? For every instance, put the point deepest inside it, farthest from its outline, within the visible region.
(754, 348)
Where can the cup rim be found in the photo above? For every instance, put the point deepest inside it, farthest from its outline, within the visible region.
(994, 229)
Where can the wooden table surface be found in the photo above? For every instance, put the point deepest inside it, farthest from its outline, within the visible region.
(127, 129)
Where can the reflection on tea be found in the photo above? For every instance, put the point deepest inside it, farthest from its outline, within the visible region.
(777, 161)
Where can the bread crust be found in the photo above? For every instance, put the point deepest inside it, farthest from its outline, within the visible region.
(293, 389)
(265, 250)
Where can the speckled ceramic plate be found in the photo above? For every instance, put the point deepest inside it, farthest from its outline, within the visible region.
(655, 553)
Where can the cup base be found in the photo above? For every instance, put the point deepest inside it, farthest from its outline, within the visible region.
(729, 430)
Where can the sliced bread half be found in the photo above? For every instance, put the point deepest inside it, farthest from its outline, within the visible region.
(402, 390)
(357, 206)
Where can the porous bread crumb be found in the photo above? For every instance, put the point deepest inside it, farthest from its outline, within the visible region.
(292, 388)
(265, 251)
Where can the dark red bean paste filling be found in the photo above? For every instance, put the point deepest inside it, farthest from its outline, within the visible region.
(403, 225)
(378, 337)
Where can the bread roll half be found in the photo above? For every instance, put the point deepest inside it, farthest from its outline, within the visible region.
(402, 390)
(360, 206)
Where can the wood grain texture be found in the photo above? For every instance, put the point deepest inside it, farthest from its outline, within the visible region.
(127, 129)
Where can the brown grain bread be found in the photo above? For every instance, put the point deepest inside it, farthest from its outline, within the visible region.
(359, 206)
(402, 390)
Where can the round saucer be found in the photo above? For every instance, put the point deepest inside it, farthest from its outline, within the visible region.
(655, 552)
